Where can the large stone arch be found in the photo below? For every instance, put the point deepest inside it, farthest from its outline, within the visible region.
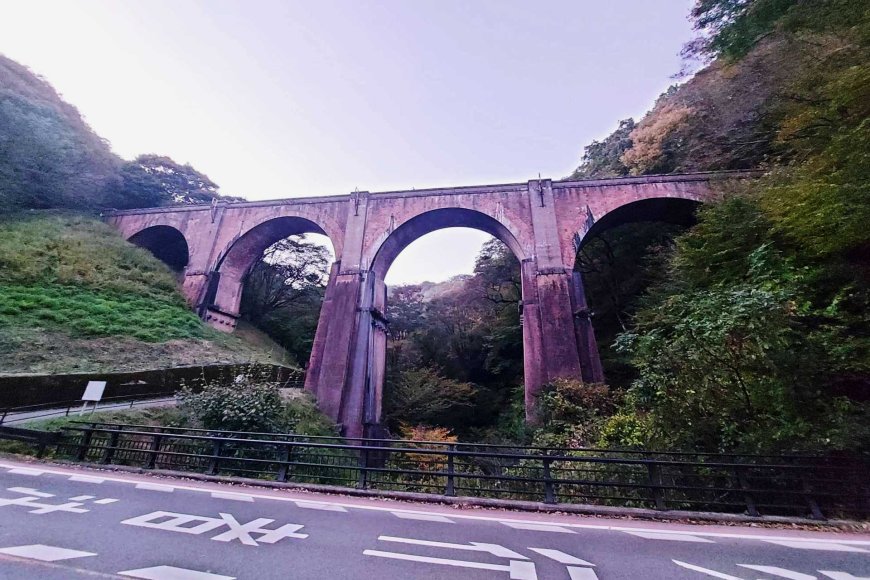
(358, 404)
(673, 210)
(438, 219)
(166, 243)
(235, 262)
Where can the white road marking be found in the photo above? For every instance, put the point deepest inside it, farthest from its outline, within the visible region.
(173, 573)
(561, 557)
(25, 471)
(535, 527)
(671, 537)
(44, 553)
(582, 573)
(86, 479)
(104, 501)
(155, 487)
(232, 496)
(706, 571)
(815, 545)
(313, 505)
(493, 549)
(82, 498)
(423, 517)
(601, 527)
(518, 570)
(173, 522)
(842, 575)
(777, 571)
(29, 491)
(43, 508)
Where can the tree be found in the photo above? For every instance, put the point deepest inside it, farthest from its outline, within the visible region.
(284, 291)
(158, 180)
(289, 271)
(604, 158)
(49, 157)
(424, 397)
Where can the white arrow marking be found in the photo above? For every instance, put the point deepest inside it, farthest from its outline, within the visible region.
(706, 571)
(493, 549)
(538, 527)
(29, 491)
(811, 545)
(671, 537)
(582, 573)
(45, 553)
(842, 575)
(517, 570)
(172, 573)
(781, 572)
(423, 517)
(561, 557)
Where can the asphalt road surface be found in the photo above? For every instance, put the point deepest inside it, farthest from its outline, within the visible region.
(58, 522)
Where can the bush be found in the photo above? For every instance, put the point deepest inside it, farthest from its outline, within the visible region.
(573, 413)
(246, 404)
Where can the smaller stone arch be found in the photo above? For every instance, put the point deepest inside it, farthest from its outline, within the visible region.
(225, 296)
(247, 248)
(166, 243)
(437, 219)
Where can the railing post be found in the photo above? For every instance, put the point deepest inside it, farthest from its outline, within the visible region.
(84, 446)
(655, 483)
(450, 490)
(113, 444)
(214, 462)
(3, 418)
(285, 463)
(811, 502)
(549, 489)
(156, 440)
(363, 468)
(740, 474)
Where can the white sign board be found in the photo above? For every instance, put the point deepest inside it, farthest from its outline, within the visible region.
(94, 391)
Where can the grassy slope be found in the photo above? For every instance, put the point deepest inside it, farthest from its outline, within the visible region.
(74, 296)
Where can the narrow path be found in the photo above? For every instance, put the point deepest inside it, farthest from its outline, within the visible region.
(26, 416)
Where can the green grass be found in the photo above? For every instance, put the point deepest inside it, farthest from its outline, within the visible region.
(75, 296)
(75, 250)
(92, 313)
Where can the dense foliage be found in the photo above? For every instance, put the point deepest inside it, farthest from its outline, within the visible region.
(455, 355)
(250, 401)
(752, 331)
(284, 291)
(51, 158)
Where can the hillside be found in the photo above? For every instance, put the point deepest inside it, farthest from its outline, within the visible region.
(74, 296)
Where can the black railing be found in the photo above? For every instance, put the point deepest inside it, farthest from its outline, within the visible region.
(816, 487)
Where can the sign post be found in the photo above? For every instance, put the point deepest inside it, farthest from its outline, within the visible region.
(93, 394)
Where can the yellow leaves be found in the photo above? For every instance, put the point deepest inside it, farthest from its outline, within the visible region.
(649, 137)
(425, 433)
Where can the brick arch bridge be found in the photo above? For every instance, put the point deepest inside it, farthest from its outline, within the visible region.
(543, 222)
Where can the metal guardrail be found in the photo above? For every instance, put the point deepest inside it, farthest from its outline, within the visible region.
(772, 485)
(64, 408)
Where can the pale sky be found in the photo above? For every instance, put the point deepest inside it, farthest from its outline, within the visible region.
(280, 98)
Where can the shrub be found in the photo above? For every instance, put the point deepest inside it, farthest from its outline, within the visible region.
(248, 403)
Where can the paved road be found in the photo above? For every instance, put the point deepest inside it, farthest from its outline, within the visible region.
(64, 523)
